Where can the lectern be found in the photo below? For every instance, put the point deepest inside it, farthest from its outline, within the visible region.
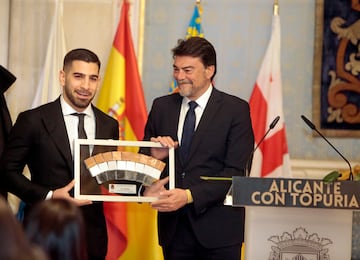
(296, 218)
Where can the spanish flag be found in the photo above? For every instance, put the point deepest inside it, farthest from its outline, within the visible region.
(132, 227)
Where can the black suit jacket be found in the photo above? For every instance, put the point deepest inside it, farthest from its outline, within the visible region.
(6, 80)
(221, 146)
(39, 139)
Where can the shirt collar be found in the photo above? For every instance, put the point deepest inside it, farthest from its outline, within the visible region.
(202, 100)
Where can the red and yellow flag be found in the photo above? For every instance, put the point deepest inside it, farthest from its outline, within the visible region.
(132, 227)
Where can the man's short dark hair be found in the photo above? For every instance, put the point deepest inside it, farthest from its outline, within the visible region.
(82, 55)
(197, 47)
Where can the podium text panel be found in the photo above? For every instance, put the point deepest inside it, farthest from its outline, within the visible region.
(287, 233)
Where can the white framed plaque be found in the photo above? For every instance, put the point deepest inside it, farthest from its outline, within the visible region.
(116, 171)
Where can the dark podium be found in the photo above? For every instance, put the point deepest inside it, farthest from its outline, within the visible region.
(296, 218)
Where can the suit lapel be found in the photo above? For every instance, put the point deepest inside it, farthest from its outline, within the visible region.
(173, 118)
(173, 107)
(54, 123)
(98, 128)
(97, 123)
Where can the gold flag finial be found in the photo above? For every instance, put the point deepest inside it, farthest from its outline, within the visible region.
(276, 7)
(198, 1)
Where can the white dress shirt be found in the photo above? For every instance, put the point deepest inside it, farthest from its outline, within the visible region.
(201, 101)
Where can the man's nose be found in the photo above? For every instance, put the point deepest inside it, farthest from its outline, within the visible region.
(180, 75)
(86, 83)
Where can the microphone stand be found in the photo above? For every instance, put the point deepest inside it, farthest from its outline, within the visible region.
(228, 197)
(248, 165)
(312, 126)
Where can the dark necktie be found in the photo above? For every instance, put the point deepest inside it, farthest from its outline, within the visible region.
(84, 149)
(86, 181)
(188, 130)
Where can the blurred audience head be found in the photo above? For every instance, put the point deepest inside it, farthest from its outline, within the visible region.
(14, 243)
(57, 226)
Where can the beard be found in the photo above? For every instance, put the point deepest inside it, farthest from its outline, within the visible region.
(77, 102)
(185, 88)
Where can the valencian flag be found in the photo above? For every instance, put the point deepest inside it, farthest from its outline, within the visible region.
(131, 227)
(194, 29)
(271, 159)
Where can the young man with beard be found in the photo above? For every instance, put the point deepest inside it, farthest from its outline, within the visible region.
(43, 138)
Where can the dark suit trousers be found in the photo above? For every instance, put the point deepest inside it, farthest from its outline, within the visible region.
(95, 230)
(185, 246)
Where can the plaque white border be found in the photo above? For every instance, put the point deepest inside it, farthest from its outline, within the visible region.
(117, 198)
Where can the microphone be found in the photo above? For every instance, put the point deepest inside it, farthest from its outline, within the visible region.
(271, 126)
(228, 198)
(313, 127)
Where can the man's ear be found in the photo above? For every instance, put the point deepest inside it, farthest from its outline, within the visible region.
(62, 78)
(210, 70)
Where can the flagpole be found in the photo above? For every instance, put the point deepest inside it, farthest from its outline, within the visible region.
(276, 7)
(140, 55)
